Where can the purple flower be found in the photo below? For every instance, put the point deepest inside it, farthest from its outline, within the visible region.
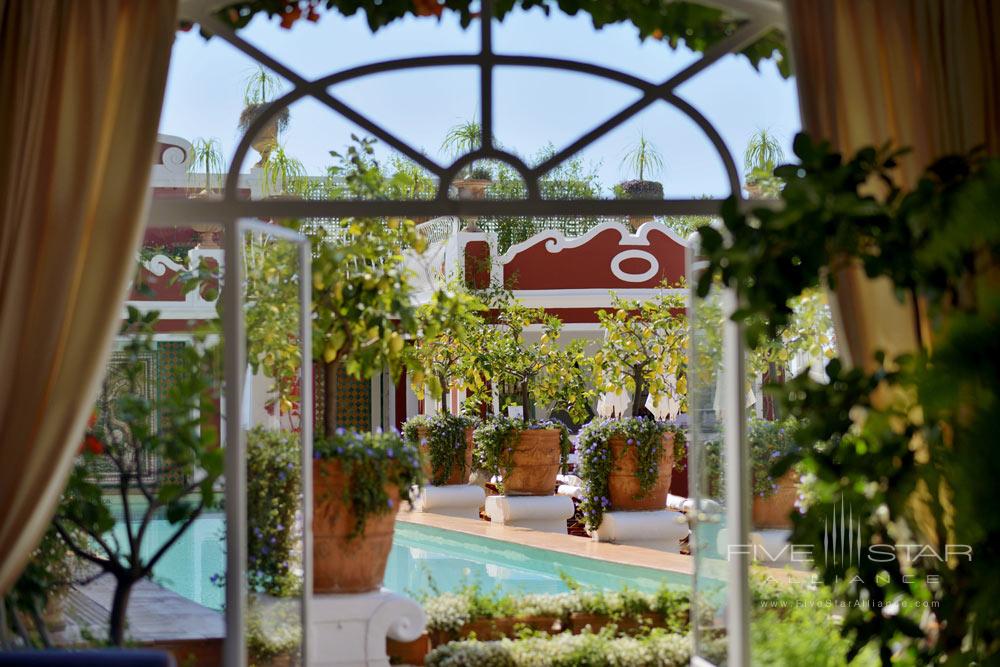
(389, 503)
(317, 455)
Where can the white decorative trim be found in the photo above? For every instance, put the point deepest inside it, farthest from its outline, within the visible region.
(650, 258)
(596, 297)
(159, 264)
(555, 241)
(177, 155)
(350, 630)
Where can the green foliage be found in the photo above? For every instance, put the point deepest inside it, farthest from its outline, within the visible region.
(444, 439)
(445, 354)
(904, 443)
(770, 442)
(541, 372)
(496, 438)
(260, 88)
(644, 349)
(763, 153)
(185, 441)
(371, 461)
(570, 180)
(658, 648)
(450, 611)
(207, 158)
(797, 626)
(274, 474)
(272, 631)
(697, 26)
(409, 181)
(642, 159)
(283, 174)
(831, 218)
(597, 459)
(461, 139)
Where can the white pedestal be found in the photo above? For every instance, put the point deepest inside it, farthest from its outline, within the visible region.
(544, 513)
(350, 630)
(461, 500)
(657, 529)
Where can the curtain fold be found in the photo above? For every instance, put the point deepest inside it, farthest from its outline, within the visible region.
(82, 84)
(920, 73)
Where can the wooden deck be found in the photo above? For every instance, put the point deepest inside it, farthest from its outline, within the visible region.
(157, 617)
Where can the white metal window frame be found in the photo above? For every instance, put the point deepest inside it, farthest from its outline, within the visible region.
(237, 215)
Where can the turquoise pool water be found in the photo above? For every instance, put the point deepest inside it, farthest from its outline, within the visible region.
(423, 559)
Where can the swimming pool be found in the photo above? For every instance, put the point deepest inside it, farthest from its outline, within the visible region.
(423, 559)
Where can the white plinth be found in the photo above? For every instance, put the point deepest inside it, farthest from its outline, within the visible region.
(545, 513)
(461, 500)
(350, 630)
(657, 529)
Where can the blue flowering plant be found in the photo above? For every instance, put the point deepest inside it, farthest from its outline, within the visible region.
(770, 442)
(274, 485)
(597, 458)
(495, 440)
(374, 463)
(441, 438)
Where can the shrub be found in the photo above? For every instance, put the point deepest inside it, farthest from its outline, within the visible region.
(769, 442)
(274, 488)
(658, 648)
(450, 611)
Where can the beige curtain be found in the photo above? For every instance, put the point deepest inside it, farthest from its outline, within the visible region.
(82, 84)
(921, 73)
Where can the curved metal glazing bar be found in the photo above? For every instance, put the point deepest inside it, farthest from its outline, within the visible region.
(762, 15)
(486, 60)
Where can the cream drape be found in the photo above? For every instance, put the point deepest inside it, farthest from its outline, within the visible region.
(921, 73)
(81, 85)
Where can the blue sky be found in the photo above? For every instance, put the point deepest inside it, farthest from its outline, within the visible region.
(532, 107)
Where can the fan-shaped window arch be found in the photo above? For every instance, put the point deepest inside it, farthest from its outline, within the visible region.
(231, 211)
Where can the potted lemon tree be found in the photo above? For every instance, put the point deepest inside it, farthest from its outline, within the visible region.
(626, 463)
(445, 439)
(523, 452)
(363, 313)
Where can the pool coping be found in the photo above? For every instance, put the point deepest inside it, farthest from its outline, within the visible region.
(622, 554)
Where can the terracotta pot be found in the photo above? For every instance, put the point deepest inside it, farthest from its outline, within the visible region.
(265, 141)
(775, 511)
(342, 564)
(458, 475)
(536, 461)
(628, 625)
(408, 653)
(623, 485)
